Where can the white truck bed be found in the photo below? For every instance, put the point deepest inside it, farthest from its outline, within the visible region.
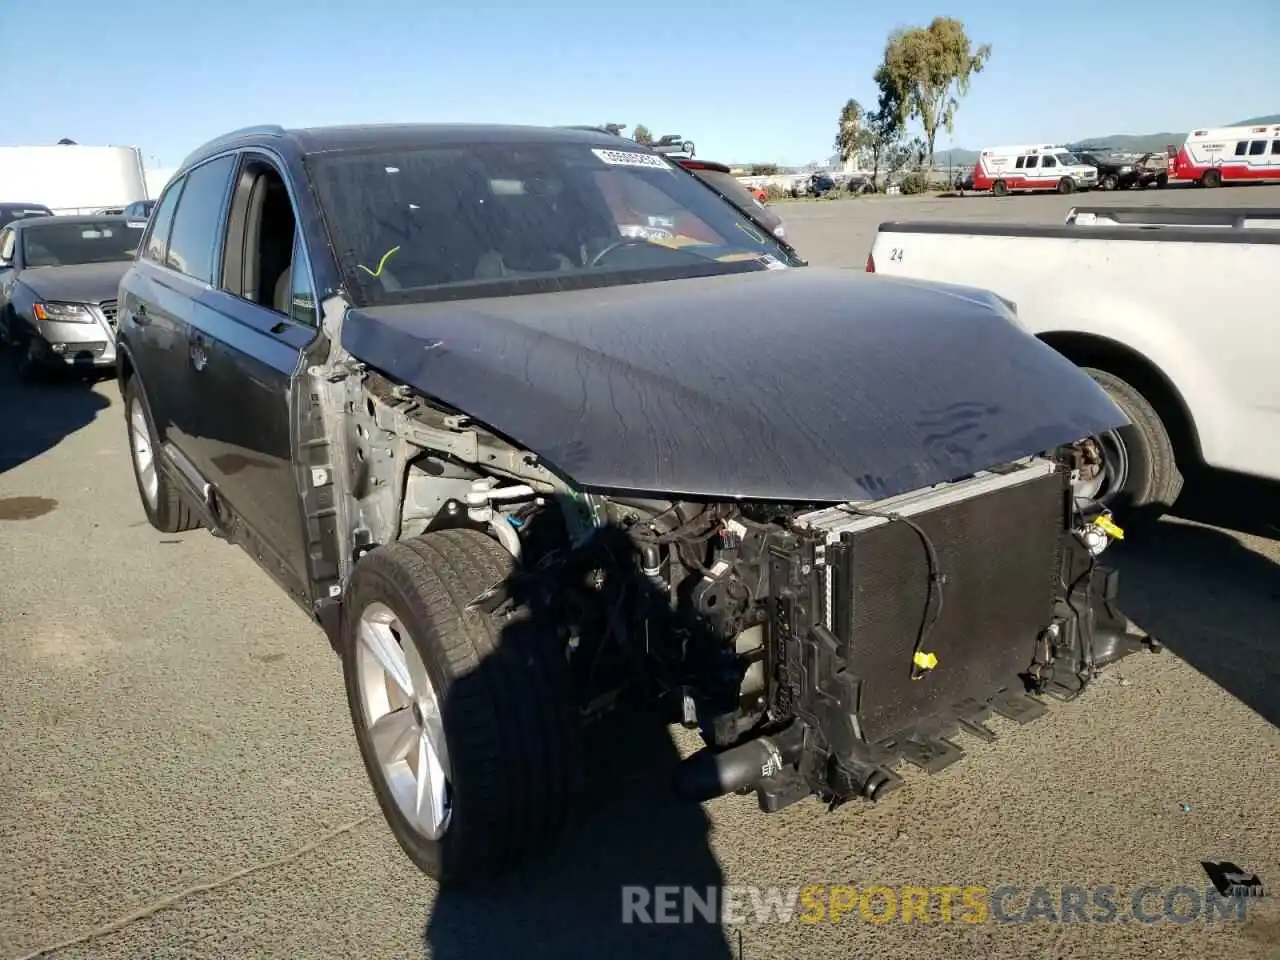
(1191, 294)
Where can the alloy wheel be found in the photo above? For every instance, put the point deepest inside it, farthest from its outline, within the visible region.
(402, 713)
(144, 459)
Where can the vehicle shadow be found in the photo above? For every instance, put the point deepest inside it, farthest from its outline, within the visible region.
(38, 416)
(628, 830)
(1209, 598)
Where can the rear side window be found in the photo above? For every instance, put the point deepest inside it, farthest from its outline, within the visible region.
(1275, 147)
(157, 245)
(1242, 148)
(197, 225)
(1020, 162)
(1257, 148)
(1032, 161)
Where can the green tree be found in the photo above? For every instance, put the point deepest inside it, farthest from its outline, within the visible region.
(925, 72)
(640, 134)
(919, 153)
(850, 139)
(763, 170)
(872, 136)
(883, 135)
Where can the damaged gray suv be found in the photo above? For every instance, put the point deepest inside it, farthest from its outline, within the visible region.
(539, 427)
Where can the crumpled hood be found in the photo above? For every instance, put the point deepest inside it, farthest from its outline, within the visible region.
(804, 384)
(77, 283)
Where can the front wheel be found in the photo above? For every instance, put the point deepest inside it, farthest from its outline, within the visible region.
(28, 360)
(1066, 185)
(462, 718)
(1138, 479)
(1107, 183)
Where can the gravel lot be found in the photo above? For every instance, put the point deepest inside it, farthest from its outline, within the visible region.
(180, 777)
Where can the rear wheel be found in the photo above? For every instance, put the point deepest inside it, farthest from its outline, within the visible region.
(1000, 188)
(1066, 185)
(1162, 181)
(161, 501)
(462, 718)
(1139, 479)
(1212, 178)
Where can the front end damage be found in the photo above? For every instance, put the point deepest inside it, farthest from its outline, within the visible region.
(815, 645)
(890, 627)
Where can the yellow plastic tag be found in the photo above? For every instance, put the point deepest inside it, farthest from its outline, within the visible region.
(1109, 527)
(925, 661)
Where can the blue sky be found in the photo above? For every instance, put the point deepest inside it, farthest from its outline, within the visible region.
(746, 80)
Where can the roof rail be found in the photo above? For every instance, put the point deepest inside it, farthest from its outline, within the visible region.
(261, 129)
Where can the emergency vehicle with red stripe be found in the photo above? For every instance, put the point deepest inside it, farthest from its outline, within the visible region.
(1212, 157)
(1044, 166)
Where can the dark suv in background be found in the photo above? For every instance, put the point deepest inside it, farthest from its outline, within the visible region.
(10, 212)
(1115, 171)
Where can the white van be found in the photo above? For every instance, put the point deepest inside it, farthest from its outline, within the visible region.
(1246, 154)
(1037, 167)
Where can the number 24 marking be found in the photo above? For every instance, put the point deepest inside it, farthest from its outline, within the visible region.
(895, 253)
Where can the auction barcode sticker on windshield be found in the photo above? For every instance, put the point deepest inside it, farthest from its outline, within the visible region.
(625, 158)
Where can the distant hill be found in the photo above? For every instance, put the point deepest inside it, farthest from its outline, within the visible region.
(1121, 142)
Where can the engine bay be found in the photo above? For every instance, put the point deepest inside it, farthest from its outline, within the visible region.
(814, 646)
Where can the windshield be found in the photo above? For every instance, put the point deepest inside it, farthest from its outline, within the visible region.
(494, 219)
(735, 190)
(83, 241)
(1069, 159)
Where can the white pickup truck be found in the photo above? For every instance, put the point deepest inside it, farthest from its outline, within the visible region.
(1175, 312)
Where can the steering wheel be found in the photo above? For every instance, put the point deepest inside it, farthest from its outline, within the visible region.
(617, 245)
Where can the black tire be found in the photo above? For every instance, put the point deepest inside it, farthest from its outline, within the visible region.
(28, 366)
(1108, 182)
(1153, 481)
(1162, 181)
(1211, 179)
(513, 743)
(170, 513)
(1066, 185)
(1000, 188)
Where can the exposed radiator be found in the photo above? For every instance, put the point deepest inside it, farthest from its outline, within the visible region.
(998, 540)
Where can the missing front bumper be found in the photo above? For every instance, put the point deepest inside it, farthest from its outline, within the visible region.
(1013, 607)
